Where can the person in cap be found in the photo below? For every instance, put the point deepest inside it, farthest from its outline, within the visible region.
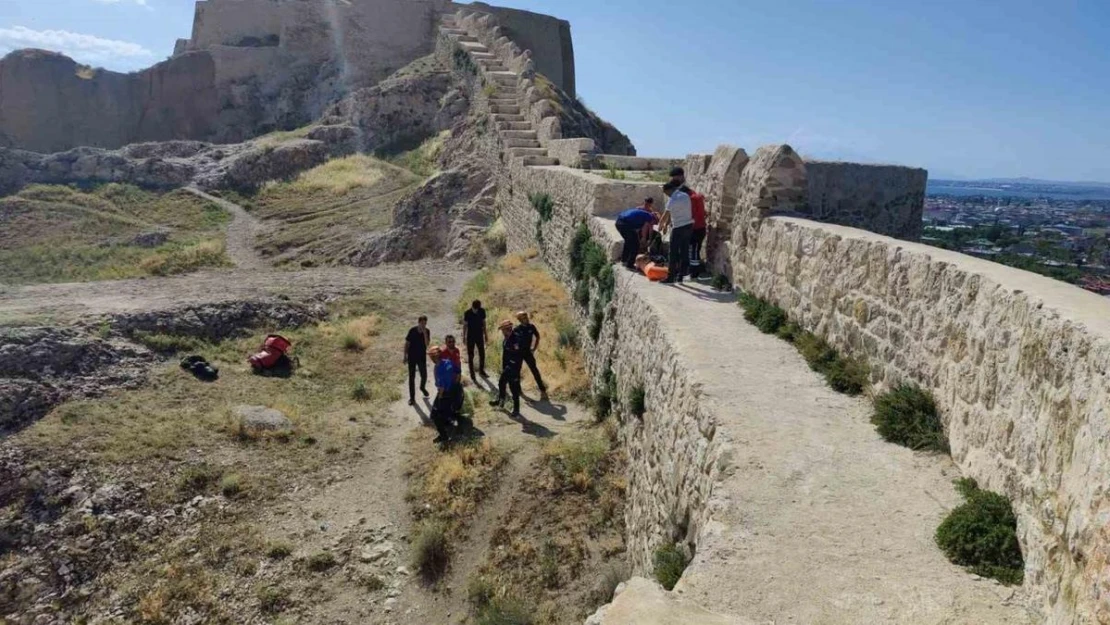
(511, 362)
(528, 337)
(448, 393)
(635, 226)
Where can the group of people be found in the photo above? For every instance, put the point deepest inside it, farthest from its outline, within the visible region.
(683, 217)
(519, 345)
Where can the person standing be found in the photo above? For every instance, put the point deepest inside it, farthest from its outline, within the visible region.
(635, 226)
(416, 347)
(528, 336)
(475, 337)
(697, 234)
(451, 350)
(511, 362)
(679, 219)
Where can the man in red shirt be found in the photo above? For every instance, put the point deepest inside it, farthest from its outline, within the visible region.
(697, 239)
(451, 351)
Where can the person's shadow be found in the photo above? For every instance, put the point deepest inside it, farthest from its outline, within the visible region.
(548, 409)
(532, 428)
(425, 416)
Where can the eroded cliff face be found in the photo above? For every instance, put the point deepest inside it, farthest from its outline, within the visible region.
(50, 103)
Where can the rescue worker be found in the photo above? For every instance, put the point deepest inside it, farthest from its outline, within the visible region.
(511, 361)
(475, 337)
(528, 339)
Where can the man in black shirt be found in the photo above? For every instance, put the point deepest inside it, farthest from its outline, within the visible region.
(416, 357)
(511, 361)
(529, 339)
(474, 335)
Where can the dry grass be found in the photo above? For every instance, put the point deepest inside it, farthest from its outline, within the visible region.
(424, 160)
(339, 176)
(448, 486)
(319, 218)
(279, 137)
(62, 234)
(516, 283)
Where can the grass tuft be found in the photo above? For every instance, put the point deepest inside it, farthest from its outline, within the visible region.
(544, 205)
(360, 392)
(576, 462)
(430, 554)
(637, 404)
(279, 551)
(339, 176)
(981, 534)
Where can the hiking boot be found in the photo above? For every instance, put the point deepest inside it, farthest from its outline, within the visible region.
(412, 402)
(496, 403)
(425, 391)
(543, 395)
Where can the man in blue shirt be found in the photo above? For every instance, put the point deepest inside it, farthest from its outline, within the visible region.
(448, 393)
(634, 226)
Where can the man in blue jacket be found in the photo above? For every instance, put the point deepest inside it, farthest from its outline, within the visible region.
(448, 378)
(635, 226)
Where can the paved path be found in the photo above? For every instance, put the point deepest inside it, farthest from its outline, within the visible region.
(826, 523)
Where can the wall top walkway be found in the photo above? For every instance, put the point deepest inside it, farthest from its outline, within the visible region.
(816, 519)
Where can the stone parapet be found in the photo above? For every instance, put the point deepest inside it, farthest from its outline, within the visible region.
(886, 199)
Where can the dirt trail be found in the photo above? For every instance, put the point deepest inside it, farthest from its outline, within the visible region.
(241, 233)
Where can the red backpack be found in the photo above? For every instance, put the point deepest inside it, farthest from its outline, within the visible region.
(697, 207)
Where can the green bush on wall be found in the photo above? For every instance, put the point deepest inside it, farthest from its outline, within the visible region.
(669, 563)
(544, 205)
(907, 415)
(981, 534)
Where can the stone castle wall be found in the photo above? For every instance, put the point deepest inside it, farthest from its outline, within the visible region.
(879, 198)
(1016, 361)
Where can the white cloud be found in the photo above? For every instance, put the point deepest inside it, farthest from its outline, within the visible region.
(84, 48)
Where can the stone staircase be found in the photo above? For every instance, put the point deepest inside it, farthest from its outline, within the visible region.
(514, 128)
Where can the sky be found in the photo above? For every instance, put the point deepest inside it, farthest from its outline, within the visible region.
(969, 88)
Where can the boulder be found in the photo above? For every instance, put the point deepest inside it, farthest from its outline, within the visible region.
(258, 419)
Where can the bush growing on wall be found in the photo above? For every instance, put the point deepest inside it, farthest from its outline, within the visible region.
(578, 251)
(907, 415)
(670, 563)
(637, 403)
(981, 534)
(582, 294)
(597, 320)
(544, 205)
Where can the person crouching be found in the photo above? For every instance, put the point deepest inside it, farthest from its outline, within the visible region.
(448, 394)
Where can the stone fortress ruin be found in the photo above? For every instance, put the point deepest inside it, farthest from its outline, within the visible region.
(1018, 363)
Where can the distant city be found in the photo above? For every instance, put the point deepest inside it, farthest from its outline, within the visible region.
(1057, 229)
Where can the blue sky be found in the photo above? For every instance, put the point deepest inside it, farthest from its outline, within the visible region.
(974, 88)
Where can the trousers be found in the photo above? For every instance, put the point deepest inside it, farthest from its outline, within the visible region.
(697, 239)
(678, 261)
(631, 249)
(421, 365)
(473, 343)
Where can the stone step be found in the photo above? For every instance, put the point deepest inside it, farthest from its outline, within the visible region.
(514, 125)
(514, 142)
(528, 151)
(483, 56)
(505, 76)
(473, 46)
(500, 100)
(518, 134)
(506, 109)
(538, 161)
(452, 30)
(492, 67)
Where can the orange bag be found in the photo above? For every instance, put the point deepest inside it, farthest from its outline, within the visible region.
(655, 273)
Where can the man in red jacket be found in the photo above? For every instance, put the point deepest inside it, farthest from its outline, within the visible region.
(697, 208)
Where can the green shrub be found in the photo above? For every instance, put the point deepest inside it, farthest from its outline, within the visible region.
(360, 392)
(272, 600)
(464, 63)
(819, 354)
(549, 563)
(771, 318)
(597, 322)
(320, 562)
(350, 343)
(606, 283)
(612, 173)
(480, 592)
(637, 401)
(603, 405)
(907, 415)
(670, 563)
(429, 551)
(582, 294)
(596, 260)
(721, 282)
(544, 205)
(197, 478)
(752, 305)
(578, 244)
(789, 331)
(568, 333)
(981, 534)
(848, 375)
(166, 343)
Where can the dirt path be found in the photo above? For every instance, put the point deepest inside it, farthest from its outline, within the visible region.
(240, 234)
(62, 303)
